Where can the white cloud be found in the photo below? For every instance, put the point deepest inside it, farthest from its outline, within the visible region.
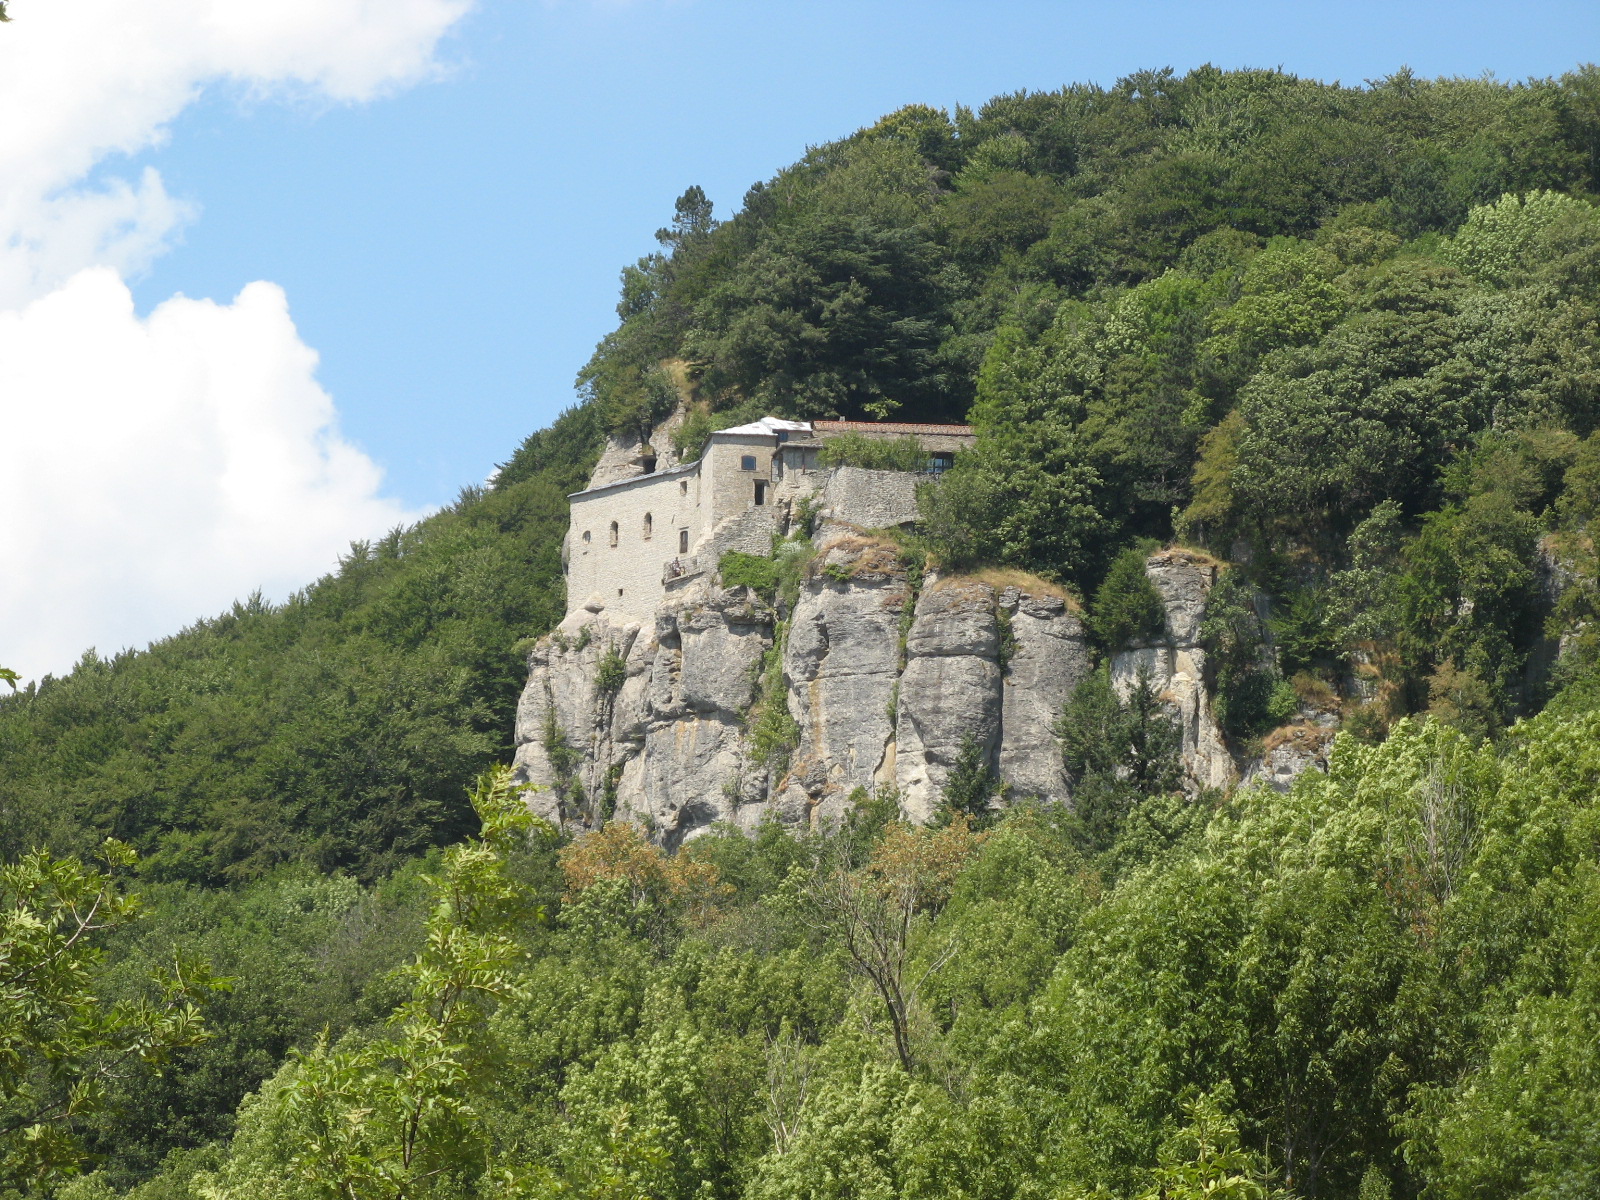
(156, 469)
(162, 467)
(84, 79)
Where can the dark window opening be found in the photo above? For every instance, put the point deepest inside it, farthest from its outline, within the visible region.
(783, 435)
(613, 533)
(761, 491)
(683, 541)
(649, 465)
(649, 526)
(747, 462)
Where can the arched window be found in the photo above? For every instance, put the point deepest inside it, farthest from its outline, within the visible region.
(649, 526)
(587, 537)
(613, 533)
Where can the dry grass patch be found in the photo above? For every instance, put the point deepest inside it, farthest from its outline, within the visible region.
(1189, 554)
(852, 554)
(1000, 578)
(1303, 735)
(1315, 692)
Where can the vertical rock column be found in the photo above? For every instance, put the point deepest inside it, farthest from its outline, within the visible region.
(563, 720)
(949, 692)
(1176, 663)
(842, 661)
(1047, 655)
(692, 766)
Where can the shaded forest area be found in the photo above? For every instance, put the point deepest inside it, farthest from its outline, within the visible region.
(1346, 339)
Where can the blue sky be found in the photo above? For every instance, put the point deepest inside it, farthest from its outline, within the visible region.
(452, 251)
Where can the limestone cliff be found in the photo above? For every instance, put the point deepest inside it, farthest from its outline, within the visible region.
(879, 679)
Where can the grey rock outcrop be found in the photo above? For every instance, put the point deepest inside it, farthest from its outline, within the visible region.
(949, 691)
(562, 723)
(886, 685)
(1288, 753)
(664, 743)
(625, 454)
(841, 665)
(887, 679)
(1047, 656)
(1175, 664)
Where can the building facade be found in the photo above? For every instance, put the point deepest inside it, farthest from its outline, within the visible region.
(630, 538)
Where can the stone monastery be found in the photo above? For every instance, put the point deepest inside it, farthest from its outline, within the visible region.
(648, 524)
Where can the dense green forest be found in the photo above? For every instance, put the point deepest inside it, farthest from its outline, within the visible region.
(1346, 339)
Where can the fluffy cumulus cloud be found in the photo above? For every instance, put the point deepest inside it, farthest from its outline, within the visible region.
(161, 467)
(157, 468)
(84, 79)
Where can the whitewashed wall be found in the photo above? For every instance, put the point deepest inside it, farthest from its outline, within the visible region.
(627, 577)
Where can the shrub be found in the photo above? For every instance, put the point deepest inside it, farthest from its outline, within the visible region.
(973, 781)
(748, 570)
(1127, 606)
(1251, 694)
(773, 730)
(611, 673)
(877, 454)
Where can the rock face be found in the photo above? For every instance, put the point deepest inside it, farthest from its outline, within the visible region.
(888, 681)
(1288, 753)
(884, 681)
(625, 454)
(646, 724)
(1175, 664)
(841, 666)
(950, 690)
(1046, 657)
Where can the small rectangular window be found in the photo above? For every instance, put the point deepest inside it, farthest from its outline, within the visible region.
(747, 462)
(683, 541)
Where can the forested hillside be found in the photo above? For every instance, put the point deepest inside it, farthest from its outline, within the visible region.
(1344, 339)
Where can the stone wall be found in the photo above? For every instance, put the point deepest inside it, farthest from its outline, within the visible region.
(869, 499)
(627, 577)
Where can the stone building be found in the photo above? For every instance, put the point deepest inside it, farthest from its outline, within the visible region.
(647, 524)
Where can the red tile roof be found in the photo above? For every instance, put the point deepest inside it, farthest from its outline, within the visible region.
(888, 427)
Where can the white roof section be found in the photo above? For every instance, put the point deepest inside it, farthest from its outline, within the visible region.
(769, 426)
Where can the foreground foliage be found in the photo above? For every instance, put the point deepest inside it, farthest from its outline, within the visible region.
(1380, 983)
(64, 1043)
